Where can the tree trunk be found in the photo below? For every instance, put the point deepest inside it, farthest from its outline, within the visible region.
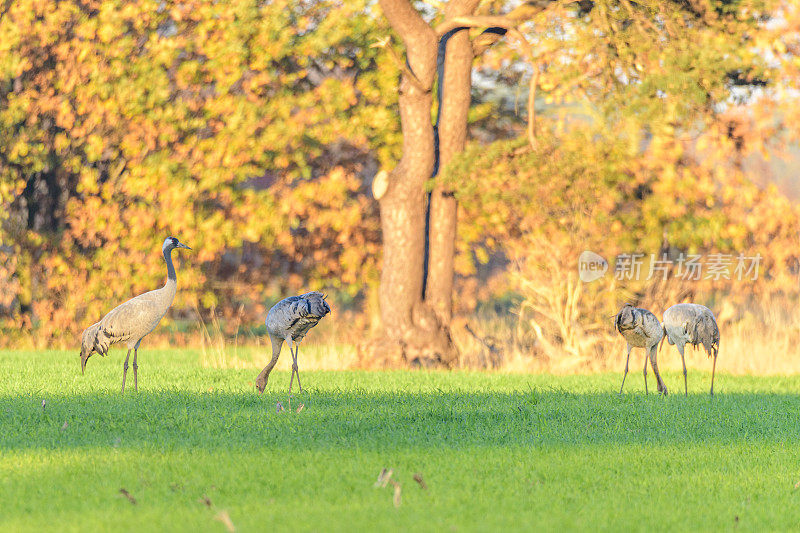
(403, 205)
(454, 89)
(416, 316)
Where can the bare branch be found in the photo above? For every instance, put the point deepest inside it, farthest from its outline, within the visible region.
(525, 11)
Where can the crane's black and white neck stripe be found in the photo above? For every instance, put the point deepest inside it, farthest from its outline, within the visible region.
(170, 243)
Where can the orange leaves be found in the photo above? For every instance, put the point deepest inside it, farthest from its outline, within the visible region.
(228, 125)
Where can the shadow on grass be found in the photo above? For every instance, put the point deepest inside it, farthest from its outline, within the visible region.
(386, 421)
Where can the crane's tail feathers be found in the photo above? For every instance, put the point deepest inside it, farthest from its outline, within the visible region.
(706, 332)
(101, 343)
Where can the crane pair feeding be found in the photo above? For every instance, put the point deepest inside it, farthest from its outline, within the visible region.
(289, 320)
(683, 324)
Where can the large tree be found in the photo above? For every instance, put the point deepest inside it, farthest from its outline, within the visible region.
(419, 229)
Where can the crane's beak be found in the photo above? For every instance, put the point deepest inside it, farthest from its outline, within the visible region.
(181, 245)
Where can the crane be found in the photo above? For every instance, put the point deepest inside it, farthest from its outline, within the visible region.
(693, 324)
(131, 321)
(641, 329)
(289, 320)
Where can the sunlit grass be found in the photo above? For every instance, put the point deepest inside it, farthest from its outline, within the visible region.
(496, 451)
(312, 356)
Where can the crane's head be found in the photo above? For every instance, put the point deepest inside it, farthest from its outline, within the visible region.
(170, 243)
(85, 354)
(87, 344)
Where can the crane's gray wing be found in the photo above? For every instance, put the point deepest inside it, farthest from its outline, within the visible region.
(294, 316)
(651, 327)
(127, 319)
(706, 332)
(283, 314)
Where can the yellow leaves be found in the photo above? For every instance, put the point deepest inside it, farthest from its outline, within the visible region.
(94, 147)
(19, 150)
(209, 300)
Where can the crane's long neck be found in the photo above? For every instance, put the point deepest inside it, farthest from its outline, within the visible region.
(171, 279)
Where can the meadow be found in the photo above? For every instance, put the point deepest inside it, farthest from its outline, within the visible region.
(198, 449)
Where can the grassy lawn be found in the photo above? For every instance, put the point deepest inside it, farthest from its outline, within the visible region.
(495, 451)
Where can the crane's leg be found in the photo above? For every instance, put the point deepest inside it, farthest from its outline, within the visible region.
(662, 388)
(294, 367)
(125, 370)
(713, 370)
(135, 368)
(627, 360)
(681, 348)
(644, 372)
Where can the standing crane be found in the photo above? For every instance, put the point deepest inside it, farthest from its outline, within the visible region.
(641, 329)
(289, 320)
(694, 324)
(131, 321)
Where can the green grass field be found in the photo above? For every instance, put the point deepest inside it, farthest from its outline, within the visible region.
(495, 451)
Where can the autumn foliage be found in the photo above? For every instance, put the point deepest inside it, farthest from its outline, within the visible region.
(252, 130)
(650, 147)
(232, 125)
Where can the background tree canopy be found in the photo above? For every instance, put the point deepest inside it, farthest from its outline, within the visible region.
(246, 129)
(253, 130)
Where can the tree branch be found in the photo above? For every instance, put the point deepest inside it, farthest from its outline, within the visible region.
(385, 44)
(510, 29)
(505, 23)
(418, 37)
